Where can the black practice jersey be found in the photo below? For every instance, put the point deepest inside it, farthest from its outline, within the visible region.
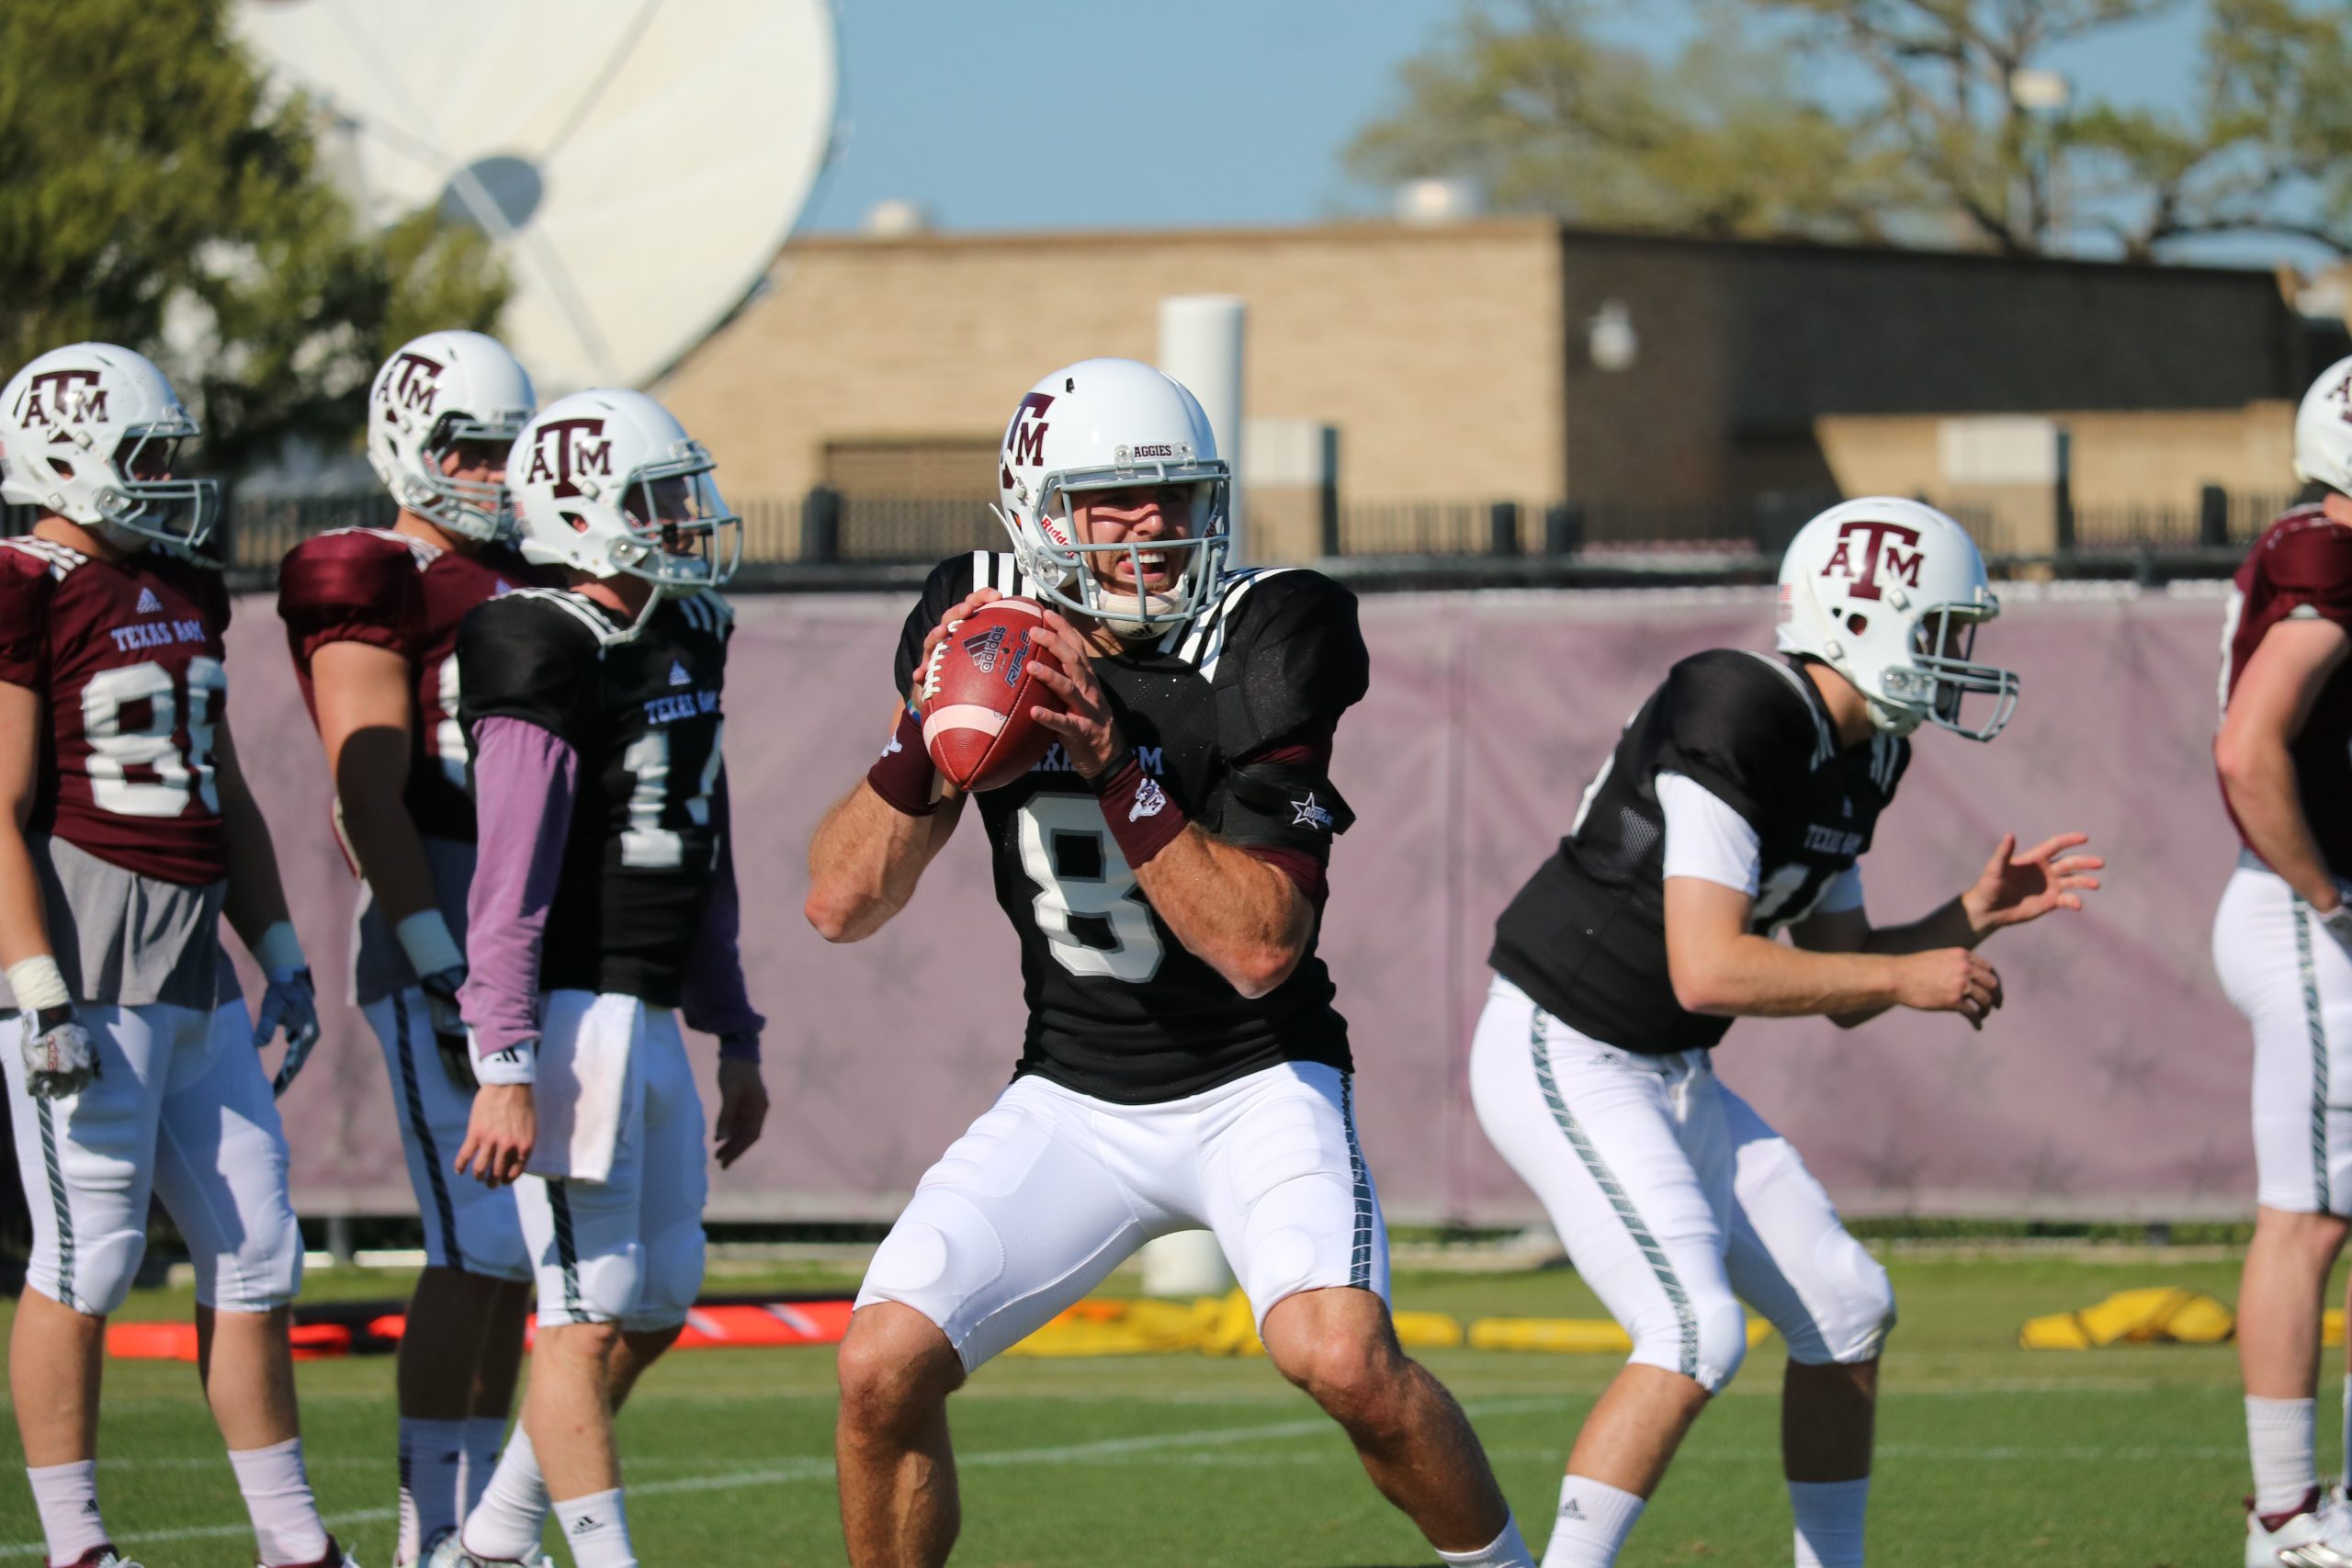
(1117, 1007)
(1586, 936)
(643, 716)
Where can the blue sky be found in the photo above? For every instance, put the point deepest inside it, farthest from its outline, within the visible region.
(1067, 114)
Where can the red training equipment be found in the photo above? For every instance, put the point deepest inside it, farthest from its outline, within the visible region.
(977, 691)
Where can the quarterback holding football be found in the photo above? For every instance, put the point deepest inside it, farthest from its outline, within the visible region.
(1162, 857)
(1737, 805)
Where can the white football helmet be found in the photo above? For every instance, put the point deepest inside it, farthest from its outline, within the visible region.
(1106, 425)
(1889, 594)
(2323, 430)
(91, 432)
(609, 482)
(438, 390)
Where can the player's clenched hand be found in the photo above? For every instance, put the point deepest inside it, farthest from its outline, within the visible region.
(1950, 979)
(60, 1056)
(448, 1024)
(2015, 888)
(947, 623)
(1085, 727)
(289, 1002)
(500, 1133)
(743, 1109)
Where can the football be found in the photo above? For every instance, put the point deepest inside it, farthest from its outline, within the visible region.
(977, 693)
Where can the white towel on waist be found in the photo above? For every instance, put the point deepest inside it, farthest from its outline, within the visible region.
(588, 1045)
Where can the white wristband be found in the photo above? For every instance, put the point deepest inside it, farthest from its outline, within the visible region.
(424, 937)
(38, 983)
(280, 951)
(517, 1064)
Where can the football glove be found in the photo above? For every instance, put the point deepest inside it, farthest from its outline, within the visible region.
(449, 1026)
(59, 1059)
(289, 1002)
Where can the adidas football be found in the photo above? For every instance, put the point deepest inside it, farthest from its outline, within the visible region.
(977, 693)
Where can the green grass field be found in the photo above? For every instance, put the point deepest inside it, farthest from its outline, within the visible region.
(1988, 1455)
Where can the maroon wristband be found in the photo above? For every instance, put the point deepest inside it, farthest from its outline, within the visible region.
(903, 775)
(1142, 816)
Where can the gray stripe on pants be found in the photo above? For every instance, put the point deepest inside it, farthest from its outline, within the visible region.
(1538, 1029)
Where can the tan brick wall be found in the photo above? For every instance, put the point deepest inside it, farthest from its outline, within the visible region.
(1435, 351)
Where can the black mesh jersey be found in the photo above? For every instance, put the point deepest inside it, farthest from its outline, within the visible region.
(1586, 936)
(643, 716)
(1117, 1007)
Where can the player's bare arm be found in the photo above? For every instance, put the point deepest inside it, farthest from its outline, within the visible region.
(255, 899)
(867, 855)
(366, 704)
(1240, 916)
(1721, 968)
(2267, 711)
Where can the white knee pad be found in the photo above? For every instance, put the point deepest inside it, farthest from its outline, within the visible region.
(263, 1273)
(1849, 1305)
(669, 1278)
(1702, 1336)
(97, 1275)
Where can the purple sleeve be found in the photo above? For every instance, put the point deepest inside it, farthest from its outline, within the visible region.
(715, 1000)
(525, 779)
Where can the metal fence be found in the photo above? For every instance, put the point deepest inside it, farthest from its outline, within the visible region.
(827, 539)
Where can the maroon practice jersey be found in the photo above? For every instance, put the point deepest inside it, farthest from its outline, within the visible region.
(2301, 569)
(127, 658)
(390, 590)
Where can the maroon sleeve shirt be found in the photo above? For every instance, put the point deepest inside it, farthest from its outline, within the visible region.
(127, 657)
(2301, 569)
(389, 591)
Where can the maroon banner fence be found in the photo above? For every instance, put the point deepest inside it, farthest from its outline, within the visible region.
(2113, 1084)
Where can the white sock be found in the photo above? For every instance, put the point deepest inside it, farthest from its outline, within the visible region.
(67, 1498)
(482, 1437)
(504, 1526)
(286, 1528)
(432, 1453)
(1594, 1520)
(1829, 1521)
(2278, 1434)
(1506, 1550)
(596, 1528)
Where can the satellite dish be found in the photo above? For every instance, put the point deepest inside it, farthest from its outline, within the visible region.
(638, 164)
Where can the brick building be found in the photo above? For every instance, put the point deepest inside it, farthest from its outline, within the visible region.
(1466, 363)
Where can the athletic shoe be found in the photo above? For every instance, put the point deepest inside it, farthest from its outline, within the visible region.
(2317, 1534)
(446, 1550)
(96, 1557)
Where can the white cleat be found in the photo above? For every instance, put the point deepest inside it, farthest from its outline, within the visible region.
(446, 1550)
(2318, 1534)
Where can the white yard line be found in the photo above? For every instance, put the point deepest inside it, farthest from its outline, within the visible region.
(1111, 1449)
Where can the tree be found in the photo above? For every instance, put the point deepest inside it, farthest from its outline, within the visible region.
(157, 197)
(1884, 120)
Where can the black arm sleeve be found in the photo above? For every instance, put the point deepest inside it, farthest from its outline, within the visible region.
(1293, 662)
(519, 656)
(1724, 722)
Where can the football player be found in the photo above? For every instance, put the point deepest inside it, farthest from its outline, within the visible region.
(1736, 805)
(372, 617)
(1184, 1064)
(127, 833)
(2280, 942)
(604, 900)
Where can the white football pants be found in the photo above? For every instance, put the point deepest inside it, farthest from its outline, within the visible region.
(628, 1249)
(466, 1225)
(2282, 970)
(1675, 1200)
(181, 1109)
(1051, 1190)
